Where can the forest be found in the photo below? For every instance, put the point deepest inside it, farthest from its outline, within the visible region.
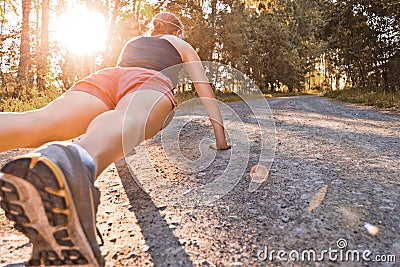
(282, 45)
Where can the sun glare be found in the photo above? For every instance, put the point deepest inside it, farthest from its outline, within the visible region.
(81, 31)
(152, 2)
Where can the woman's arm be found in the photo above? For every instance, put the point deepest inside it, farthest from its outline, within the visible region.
(211, 105)
(196, 71)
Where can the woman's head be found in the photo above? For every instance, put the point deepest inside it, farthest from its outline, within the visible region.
(166, 23)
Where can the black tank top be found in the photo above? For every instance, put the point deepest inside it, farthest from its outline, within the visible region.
(153, 53)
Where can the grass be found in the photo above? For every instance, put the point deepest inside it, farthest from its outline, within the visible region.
(223, 97)
(31, 101)
(382, 99)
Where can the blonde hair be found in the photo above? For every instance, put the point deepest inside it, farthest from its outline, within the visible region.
(166, 23)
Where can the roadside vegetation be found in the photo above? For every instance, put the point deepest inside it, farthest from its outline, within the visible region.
(381, 99)
(228, 97)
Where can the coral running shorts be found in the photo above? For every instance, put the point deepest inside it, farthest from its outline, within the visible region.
(111, 84)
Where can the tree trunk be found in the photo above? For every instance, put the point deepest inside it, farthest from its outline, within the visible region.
(385, 80)
(25, 57)
(112, 39)
(44, 46)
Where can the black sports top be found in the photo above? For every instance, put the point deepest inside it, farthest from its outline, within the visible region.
(153, 53)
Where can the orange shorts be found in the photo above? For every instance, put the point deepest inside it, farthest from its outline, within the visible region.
(111, 84)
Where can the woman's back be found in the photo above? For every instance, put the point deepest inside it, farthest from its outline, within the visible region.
(155, 53)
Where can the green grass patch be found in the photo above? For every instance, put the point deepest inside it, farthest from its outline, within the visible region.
(368, 97)
(26, 102)
(223, 97)
(296, 93)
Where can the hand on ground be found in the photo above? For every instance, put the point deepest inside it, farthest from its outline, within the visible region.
(220, 146)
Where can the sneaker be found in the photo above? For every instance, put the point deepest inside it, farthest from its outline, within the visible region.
(50, 195)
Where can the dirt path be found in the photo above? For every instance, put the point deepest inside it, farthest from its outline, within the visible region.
(336, 167)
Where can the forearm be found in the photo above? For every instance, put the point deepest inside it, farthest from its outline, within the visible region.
(211, 106)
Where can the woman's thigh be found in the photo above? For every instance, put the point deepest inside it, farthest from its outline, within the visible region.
(145, 109)
(69, 115)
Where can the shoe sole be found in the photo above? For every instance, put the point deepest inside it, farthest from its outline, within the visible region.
(35, 195)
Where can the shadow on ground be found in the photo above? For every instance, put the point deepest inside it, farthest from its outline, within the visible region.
(155, 229)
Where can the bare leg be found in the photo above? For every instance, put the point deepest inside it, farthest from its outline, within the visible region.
(64, 118)
(138, 116)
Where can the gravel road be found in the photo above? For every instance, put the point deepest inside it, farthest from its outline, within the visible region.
(335, 168)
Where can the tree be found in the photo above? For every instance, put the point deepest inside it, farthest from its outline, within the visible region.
(363, 38)
(231, 34)
(305, 19)
(43, 50)
(273, 59)
(9, 53)
(25, 57)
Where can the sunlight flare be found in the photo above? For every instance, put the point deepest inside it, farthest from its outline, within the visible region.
(82, 31)
(152, 2)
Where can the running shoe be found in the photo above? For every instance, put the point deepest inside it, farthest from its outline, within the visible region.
(51, 197)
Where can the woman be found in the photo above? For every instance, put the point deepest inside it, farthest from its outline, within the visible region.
(50, 193)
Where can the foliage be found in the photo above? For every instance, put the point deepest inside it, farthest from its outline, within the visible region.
(28, 101)
(363, 41)
(7, 4)
(369, 96)
(181, 97)
(272, 58)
